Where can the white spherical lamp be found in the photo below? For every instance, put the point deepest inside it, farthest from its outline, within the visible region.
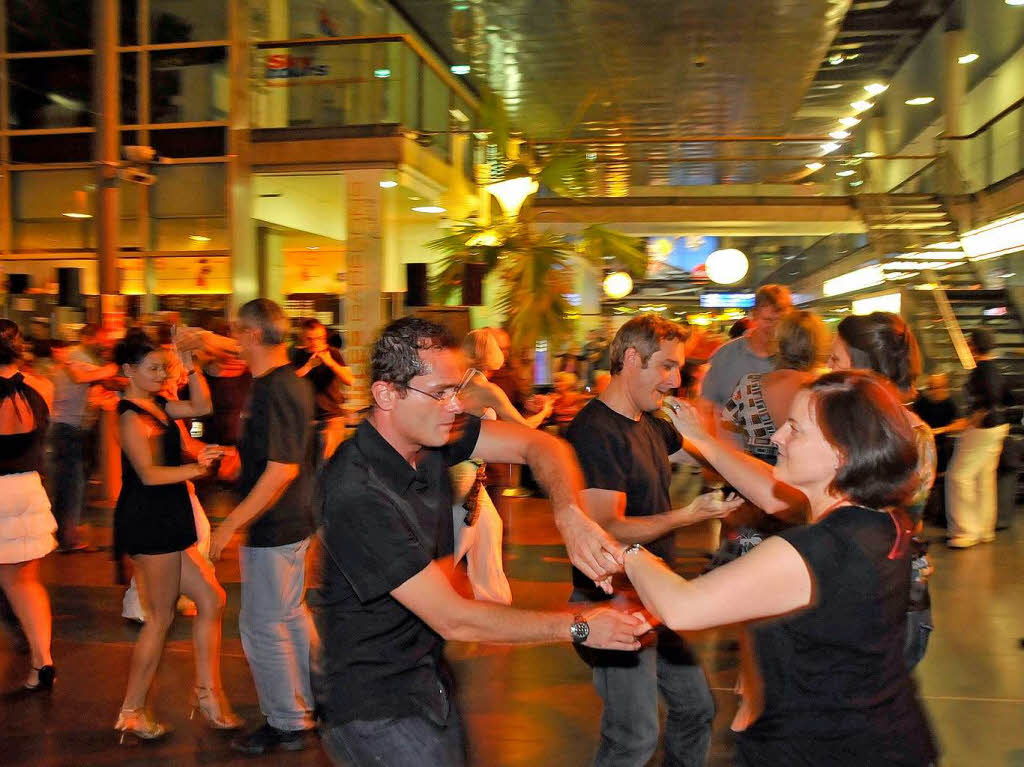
(726, 266)
(618, 285)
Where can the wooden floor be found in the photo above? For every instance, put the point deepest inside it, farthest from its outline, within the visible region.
(526, 706)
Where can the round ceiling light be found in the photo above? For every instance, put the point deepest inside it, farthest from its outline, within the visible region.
(618, 285)
(727, 266)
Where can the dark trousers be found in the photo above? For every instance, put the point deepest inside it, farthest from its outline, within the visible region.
(397, 742)
(69, 481)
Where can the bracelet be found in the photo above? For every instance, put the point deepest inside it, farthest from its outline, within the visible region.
(633, 548)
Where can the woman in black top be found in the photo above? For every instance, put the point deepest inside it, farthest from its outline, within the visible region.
(26, 524)
(154, 525)
(834, 688)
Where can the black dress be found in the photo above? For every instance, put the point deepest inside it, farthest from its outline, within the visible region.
(153, 519)
(836, 689)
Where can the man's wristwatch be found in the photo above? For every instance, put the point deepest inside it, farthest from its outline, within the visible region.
(579, 630)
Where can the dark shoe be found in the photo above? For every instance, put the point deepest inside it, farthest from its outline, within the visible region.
(268, 738)
(46, 675)
(78, 548)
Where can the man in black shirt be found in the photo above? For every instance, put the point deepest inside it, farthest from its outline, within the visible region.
(937, 409)
(325, 368)
(625, 451)
(971, 502)
(386, 606)
(276, 483)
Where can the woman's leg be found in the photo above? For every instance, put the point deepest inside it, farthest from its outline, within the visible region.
(159, 576)
(31, 605)
(199, 583)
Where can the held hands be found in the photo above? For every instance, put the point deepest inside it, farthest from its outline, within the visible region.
(209, 455)
(612, 629)
(219, 540)
(591, 549)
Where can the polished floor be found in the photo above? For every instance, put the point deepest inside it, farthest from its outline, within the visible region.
(524, 706)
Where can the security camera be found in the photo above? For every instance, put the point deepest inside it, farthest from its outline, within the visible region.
(143, 155)
(136, 176)
(700, 61)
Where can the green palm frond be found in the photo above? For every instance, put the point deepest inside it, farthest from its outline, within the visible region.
(629, 252)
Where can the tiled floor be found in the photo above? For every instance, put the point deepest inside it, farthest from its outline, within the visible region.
(525, 706)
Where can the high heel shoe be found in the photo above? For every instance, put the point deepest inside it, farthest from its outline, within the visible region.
(215, 709)
(45, 677)
(139, 723)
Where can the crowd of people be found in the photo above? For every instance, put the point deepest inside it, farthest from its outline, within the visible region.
(829, 453)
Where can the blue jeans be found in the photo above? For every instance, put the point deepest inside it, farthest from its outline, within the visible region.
(397, 742)
(630, 724)
(69, 483)
(277, 632)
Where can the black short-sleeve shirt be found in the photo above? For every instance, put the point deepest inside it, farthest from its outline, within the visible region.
(631, 457)
(277, 425)
(327, 387)
(383, 522)
(836, 688)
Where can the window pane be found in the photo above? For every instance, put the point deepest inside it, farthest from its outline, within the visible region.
(185, 21)
(189, 142)
(129, 22)
(53, 210)
(190, 208)
(51, 93)
(189, 85)
(48, 25)
(129, 88)
(75, 147)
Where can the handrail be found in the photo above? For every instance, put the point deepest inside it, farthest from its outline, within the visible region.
(425, 56)
(915, 174)
(985, 126)
(680, 140)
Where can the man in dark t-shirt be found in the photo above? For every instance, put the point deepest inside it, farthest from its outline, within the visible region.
(276, 485)
(325, 368)
(386, 605)
(625, 450)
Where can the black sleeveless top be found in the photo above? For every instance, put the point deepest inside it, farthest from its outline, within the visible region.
(153, 519)
(836, 688)
(20, 453)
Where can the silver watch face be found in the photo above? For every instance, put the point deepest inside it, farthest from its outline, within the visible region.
(579, 631)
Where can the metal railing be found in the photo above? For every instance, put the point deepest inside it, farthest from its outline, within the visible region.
(353, 82)
(991, 153)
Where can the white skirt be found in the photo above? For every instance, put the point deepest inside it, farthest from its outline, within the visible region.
(26, 524)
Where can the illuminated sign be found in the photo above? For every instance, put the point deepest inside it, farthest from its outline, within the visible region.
(726, 300)
(996, 239)
(858, 279)
(890, 302)
(282, 66)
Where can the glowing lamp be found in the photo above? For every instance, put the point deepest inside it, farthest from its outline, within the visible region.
(727, 266)
(618, 285)
(513, 191)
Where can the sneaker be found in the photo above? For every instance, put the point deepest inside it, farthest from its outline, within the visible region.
(961, 543)
(268, 738)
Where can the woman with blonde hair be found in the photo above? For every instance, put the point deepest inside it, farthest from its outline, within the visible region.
(478, 528)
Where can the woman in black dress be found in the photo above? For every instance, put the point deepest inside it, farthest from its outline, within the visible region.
(834, 687)
(154, 525)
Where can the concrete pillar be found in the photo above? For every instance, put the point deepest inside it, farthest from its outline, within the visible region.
(954, 89)
(364, 269)
(107, 150)
(875, 142)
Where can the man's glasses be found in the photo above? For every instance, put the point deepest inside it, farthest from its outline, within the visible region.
(447, 395)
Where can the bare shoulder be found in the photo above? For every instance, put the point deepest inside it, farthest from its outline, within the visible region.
(41, 385)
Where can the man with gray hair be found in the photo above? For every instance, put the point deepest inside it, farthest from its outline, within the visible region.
(276, 482)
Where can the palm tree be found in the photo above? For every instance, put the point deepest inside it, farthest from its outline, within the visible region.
(535, 270)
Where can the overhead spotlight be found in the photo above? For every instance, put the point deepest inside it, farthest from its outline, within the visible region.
(967, 58)
(831, 86)
(867, 154)
(861, 105)
(387, 184)
(459, 69)
(382, 73)
(813, 166)
(830, 147)
(836, 59)
(919, 101)
(1015, 2)
(849, 122)
(429, 209)
(844, 173)
(199, 238)
(840, 134)
(874, 89)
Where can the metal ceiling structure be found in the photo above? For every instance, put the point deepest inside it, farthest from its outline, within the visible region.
(627, 74)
